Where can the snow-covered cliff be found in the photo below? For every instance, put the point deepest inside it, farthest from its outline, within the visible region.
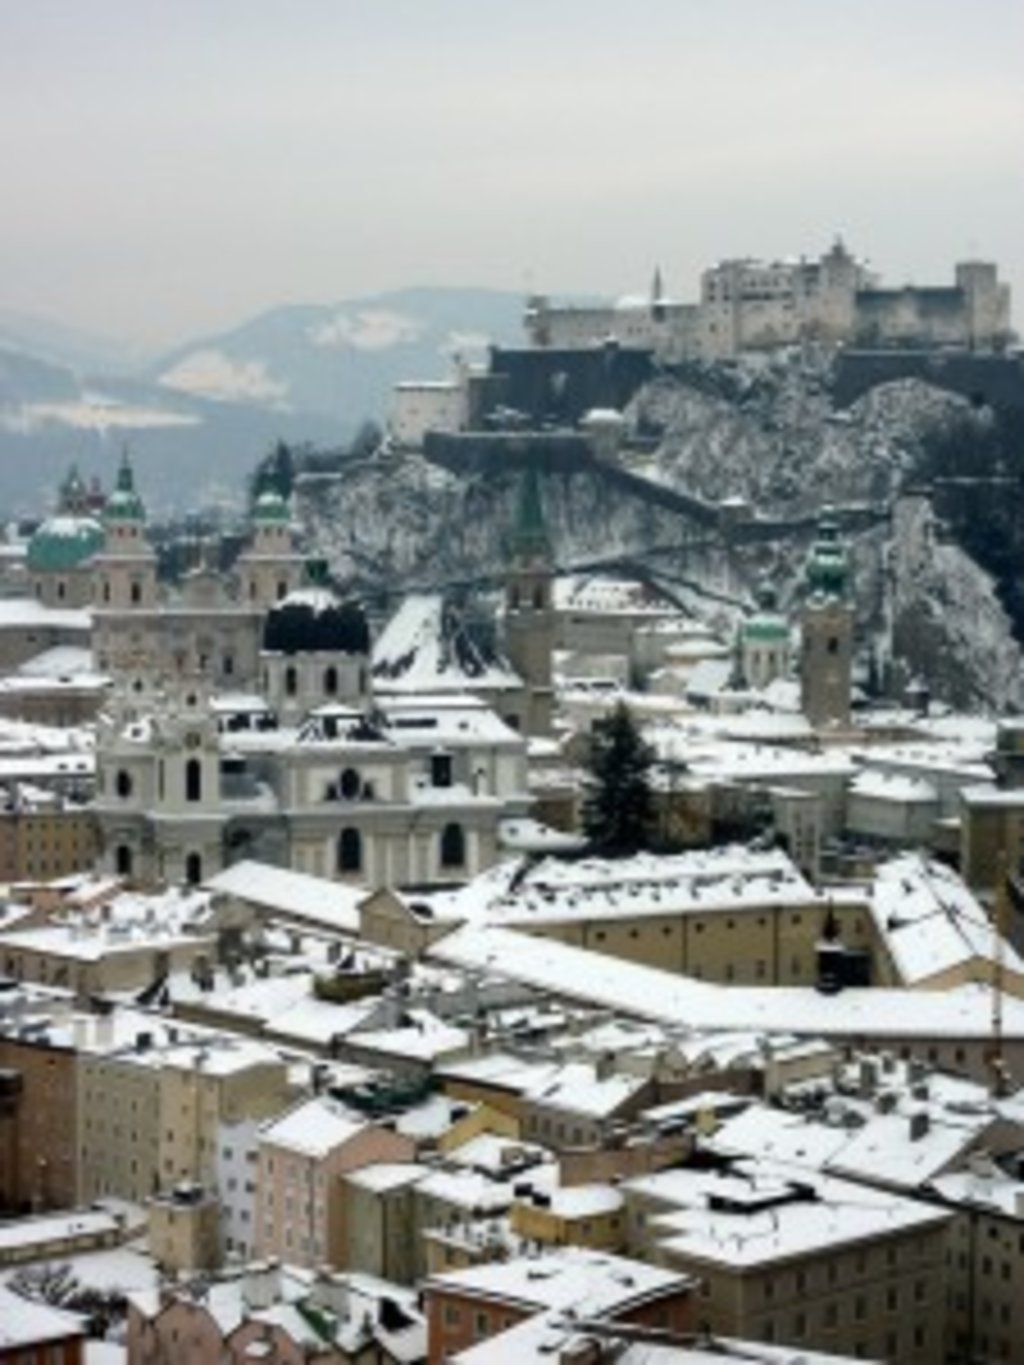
(768, 435)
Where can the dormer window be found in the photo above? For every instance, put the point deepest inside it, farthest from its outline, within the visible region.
(349, 784)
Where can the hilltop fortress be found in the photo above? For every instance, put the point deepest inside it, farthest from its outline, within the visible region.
(751, 305)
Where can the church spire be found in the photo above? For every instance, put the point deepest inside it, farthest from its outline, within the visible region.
(530, 537)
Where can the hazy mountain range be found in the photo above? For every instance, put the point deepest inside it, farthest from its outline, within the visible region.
(199, 417)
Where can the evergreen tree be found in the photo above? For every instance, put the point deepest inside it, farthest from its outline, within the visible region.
(617, 809)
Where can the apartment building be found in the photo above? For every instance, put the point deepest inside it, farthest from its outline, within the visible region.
(786, 1255)
(299, 1212)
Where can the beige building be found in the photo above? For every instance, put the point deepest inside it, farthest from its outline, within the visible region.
(152, 1102)
(381, 1233)
(184, 1229)
(991, 833)
(986, 1262)
(785, 1255)
(44, 836)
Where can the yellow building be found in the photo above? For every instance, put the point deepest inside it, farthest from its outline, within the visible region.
(573, 1215)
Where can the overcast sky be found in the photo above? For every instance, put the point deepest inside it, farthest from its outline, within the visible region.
(175, 166)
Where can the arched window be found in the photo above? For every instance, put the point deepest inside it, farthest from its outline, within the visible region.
(350, 851)
(538, 597)
(453, 846)
(136, 593)
(291, 681)
(123, 860)
(123, 784)
(349, 784)
(330, 681)
(282, 590)
(193, 869)
(193, 780)
(513, 598)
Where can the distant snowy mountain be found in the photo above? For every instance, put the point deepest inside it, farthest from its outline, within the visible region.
(73, 347)
(343, 359)
(198, 419)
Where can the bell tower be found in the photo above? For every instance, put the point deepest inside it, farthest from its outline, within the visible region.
(529, 621)
(826, 651)
(270, 568)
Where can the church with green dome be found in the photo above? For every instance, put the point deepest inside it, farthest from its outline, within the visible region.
(60, 554)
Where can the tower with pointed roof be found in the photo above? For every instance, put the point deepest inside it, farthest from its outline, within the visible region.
(126, 567)
(826, 652)
(270, 568)
(529, 621)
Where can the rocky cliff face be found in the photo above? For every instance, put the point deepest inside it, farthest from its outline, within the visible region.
(767, 435)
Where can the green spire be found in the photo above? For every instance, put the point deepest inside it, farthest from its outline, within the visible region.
(531, 538)
(124, 504)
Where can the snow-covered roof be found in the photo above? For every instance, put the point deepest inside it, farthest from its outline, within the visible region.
(125, 923)
(23, 1233)
(314, 1128)
(60, 662)
(903, 1148)
(647, 992)
(427, 647)
(24, 1323)
(590, 1283)
(702, 880)
(24, 612)
(423, 1037)
(930, 921)
(760, 1211)
(577, 1088)
(606, 596)
(894, 787)
(449, 719)
(279, 890)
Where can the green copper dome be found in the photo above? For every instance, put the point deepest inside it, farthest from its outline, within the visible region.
(827, 565)
(270, 507)
(765, 628)
(63, 543)
(124, 504)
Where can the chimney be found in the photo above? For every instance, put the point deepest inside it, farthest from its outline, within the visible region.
(919, 1125)
(260, 1285)
(330, 1290)
(868, 1077)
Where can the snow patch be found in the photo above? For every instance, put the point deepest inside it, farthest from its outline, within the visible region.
(371, 329)
(212, 374)
(91, 412)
